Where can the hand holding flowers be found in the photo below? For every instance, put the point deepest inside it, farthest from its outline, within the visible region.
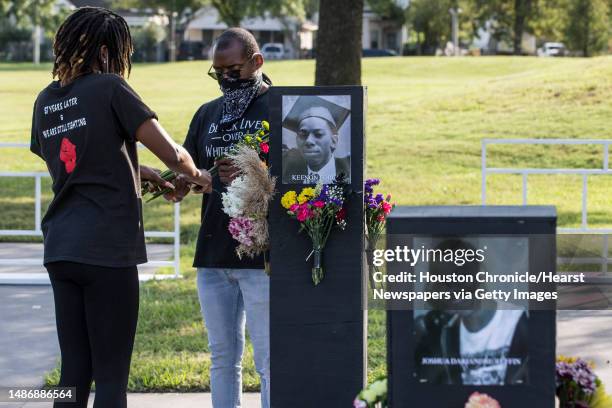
(250, 189)
(223, 167)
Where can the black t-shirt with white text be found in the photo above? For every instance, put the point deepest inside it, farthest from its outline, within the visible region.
(86, 133)
(205, 141)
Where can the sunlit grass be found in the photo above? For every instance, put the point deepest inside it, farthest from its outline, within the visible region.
(426, 118)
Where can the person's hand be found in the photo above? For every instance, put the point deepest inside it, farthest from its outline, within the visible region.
(155, 181)
(227, 172)
(203, 183)
(181, 189)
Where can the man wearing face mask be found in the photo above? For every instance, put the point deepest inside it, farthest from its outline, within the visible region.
(232, 291)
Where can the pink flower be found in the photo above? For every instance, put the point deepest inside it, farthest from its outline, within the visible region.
(359, 403)
(304, 213)
(264, 147)
(478, 400)
(294, 207)
(380, 218)
(386, 207)
(241, 229)
(319, 204)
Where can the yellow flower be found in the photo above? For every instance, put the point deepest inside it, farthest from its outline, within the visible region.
(600, 398)
(306, 194)
(258, 139)
(247, 139)
(288, 199)
(265, 125)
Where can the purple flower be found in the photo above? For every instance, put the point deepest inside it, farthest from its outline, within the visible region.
(578, 372)
(323, 196)
(336, 201)
(379, 198)
(368, 186)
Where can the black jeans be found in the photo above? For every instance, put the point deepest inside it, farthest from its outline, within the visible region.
(96, 310)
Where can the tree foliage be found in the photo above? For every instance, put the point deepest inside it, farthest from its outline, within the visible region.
(30, 13)
(588, 28)
(432, 23)
(232, 12)
(388, 10)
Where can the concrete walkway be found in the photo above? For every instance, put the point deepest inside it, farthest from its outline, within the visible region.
(191, 400)
(21, 263)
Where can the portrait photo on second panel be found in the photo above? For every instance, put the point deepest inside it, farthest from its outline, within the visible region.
(316, 138)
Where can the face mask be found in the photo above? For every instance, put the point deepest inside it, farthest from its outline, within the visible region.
(237, 96)
(230, 84)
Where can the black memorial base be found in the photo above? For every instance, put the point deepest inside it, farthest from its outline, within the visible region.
(414, 378)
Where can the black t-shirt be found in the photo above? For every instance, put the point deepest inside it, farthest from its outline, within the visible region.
(86, 134)
(206, 140)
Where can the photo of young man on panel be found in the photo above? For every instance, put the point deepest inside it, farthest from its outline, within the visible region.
(469, 342)
(316, 138)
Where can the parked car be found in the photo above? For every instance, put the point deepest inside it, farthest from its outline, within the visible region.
(371, 52)
(552, 49)
(272, 51)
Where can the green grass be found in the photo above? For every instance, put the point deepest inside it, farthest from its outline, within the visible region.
(425, 121)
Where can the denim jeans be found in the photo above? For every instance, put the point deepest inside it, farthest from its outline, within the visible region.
(229, 298)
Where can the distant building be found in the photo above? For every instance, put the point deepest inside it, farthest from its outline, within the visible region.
(134, 17)
(485, 41)
(383, 34)
(206, 25)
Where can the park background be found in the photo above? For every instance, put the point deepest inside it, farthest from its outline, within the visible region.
(426, 117)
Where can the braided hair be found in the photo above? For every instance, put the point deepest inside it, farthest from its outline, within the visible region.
(79, 39)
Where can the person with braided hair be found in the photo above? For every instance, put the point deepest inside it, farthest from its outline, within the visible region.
(86, 126)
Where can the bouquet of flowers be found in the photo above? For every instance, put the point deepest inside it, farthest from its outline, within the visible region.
(257, 141)
(248, 195)
(318, 210)
(576, 383)
(478, 400)
(246, 202)
(373, 396)
(376, 208)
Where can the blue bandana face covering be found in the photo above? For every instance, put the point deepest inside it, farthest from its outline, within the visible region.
(237, 96)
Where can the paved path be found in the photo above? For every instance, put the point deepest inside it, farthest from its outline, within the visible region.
(28, 340)
(25, 263)
(191, 400)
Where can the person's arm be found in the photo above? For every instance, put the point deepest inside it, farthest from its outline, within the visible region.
(151, 134)
(153, 176)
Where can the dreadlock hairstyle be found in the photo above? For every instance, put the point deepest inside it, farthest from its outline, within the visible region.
(79, 39)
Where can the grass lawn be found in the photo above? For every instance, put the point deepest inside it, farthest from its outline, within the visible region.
(425, 120)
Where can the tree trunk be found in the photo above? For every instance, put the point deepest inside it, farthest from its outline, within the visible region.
(587, 28)
(522, 8)
(339, 42)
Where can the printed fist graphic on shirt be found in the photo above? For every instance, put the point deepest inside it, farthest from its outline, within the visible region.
(68, 155)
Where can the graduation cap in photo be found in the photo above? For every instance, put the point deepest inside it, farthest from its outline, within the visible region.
(309, 106)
